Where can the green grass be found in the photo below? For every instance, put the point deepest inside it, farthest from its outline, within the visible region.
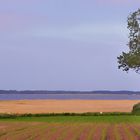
(64, 119)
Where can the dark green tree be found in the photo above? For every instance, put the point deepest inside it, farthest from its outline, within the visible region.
(131, 59)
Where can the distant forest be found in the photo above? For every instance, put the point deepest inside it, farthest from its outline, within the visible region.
(66, 92)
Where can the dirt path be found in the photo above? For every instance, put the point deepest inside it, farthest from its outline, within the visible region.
(60, 106)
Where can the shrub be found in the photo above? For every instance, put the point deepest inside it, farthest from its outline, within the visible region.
(136, 109)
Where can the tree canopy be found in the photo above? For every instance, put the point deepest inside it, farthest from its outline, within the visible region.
(131, 59)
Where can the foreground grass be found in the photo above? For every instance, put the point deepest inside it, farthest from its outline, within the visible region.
(76, 119)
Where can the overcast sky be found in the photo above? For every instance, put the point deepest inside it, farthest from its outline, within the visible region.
(64, 44)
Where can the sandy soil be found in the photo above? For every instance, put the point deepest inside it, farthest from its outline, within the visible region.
(60, 106)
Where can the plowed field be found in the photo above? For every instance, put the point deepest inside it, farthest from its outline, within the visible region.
(69, 131)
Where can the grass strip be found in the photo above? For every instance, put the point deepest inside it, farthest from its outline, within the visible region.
(77, 119)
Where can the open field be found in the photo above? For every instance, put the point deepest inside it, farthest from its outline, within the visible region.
(110, 126)
(60, 106)
(71, 128)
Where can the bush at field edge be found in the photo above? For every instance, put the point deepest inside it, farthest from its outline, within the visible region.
(136, 109)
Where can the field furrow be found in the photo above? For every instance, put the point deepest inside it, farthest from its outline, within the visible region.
(69, 131)
(98, 132)
(110, 135)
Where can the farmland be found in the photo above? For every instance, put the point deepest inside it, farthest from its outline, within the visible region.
(83, 120)
(121, 127)
(60, 106)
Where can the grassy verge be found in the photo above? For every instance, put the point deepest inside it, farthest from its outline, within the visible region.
(91, 117)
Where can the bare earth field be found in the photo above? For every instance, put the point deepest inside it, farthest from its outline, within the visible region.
(68, 131)
(60, 106)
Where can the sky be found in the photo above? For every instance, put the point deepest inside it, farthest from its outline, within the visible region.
(65, 44)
